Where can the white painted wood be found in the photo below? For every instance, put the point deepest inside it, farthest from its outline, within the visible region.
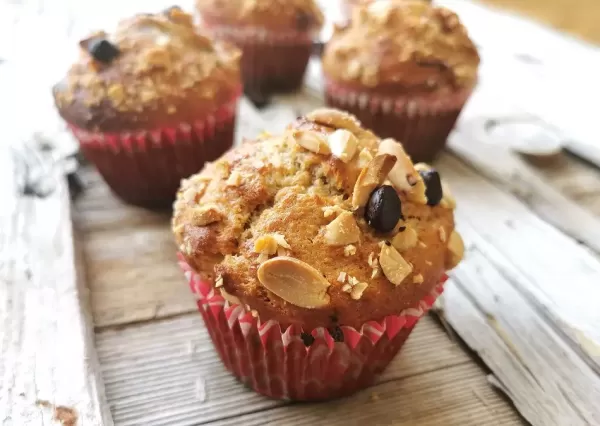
(49, 372)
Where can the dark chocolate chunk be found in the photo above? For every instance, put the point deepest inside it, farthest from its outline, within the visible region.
(307, 338)
(433, 186)
(102, 50)
(384, 210)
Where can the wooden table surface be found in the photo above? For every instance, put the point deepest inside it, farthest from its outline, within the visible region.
(99, 328)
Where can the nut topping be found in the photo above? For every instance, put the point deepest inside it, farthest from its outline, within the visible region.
(342, 230)
(433, 186)
(312, 141)
(334, 118)
(371, 177)
(394, 267)
(206, 214)
(295, 282)
(403, 175)
(456, 250)
(343, 144)
(405, 240)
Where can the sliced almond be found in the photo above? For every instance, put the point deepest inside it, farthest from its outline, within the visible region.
(280, 238)
(406, 239)
(342, 230)
(334, 118)
(295, 282)
(394, 267)
(456, 250)
(343, 144)
(206, 214)
(370, 177)
(442, 234)
(312, 141)
(403, 175)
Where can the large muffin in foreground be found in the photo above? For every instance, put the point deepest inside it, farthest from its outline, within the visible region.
(276, 38)
(313, 254)
(405, 69)
(150, 103)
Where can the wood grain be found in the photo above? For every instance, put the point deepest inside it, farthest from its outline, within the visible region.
(182, 381)
(49, 370)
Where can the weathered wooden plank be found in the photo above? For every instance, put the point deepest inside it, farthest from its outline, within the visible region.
(182, 381)
(547, 380)
(49, 370)
(474, 144)
(451, 397)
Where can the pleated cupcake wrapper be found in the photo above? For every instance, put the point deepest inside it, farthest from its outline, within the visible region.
(281, 363)
(145, 167)
(272, 61)
(422, 123)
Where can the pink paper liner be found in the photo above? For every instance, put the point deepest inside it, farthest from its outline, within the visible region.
(272, 61)
(422, 122)
(145, 167)
(276, 362)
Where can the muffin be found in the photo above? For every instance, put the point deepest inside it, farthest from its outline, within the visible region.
(405, 69)
(313, 254)
(348, 5)
(275, 36)
(151, 103)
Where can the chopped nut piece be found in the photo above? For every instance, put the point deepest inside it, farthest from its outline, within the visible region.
(403, 175)
(332, 211)
(206, 214)
(394, 267)
(456, 250)
(349, 250)
(265, 244)
(370, 177)
(263, 257)
(341, 277)
(406, 239)
(189, 195)
(219, 282)
(295, 282)
(375, 273)
(364, 157)
(343, 144)
(346, 288)
(280, 238)
(312, 141)
(358, 290)
(442, 234)
(418, 279)
(342, 230)
(334, 118)
(235, 179)
(230, 298)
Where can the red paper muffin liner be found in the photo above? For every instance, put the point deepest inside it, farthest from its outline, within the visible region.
(422, 122)
(277, 363)
(272, 61)
(145, 168)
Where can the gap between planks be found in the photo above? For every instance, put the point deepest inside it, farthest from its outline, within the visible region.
(182, 381)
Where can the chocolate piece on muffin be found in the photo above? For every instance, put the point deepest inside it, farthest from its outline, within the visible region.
(151, 102)
(405, 69)
(325, 225)
(275, 36)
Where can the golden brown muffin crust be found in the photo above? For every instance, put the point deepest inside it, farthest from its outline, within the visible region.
(275, 199)
(165, 73)
(402, 45)
(276, 15)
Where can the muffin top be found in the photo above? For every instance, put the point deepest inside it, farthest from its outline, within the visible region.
(400, 46)
(324, 225)
(276, 15)
(154, 71)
